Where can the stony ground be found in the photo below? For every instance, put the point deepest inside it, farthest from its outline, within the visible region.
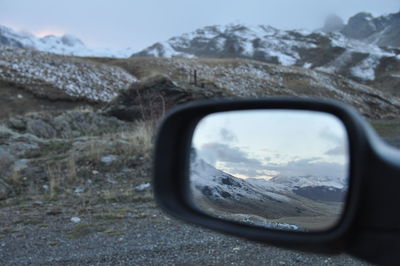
(135, 233)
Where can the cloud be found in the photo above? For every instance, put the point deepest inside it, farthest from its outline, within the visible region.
(339, 150)
(213, 152)
(310, 166)
(236, 161)
(328, 135)
(227, 135)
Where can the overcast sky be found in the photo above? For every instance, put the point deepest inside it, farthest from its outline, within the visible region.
(268, 143)
(137, 24)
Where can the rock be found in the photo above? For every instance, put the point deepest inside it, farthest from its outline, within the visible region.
(150, 99)
(5, 189)
(142, 187)
(21, 164)
(79, 190)
(75, 219)
(360, 26)
(5, 135)
(17, 124)
(108, 159)
(6, 159)
(38, 203)
(59, 125)
(40, 129)
(111, 181)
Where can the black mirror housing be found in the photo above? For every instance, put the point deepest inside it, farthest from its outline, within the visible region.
(172, 159)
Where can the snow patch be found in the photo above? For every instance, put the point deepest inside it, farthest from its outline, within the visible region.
(142, 187)
(72, 76)
(75, 219)
(366, 69)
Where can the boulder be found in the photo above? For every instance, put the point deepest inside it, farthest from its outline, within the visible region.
(360, 26)
(150, 99)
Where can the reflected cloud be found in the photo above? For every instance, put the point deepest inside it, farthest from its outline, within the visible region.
(337, 151)
(213, 152)
(328, 135)
(310, 166)
(227, 135)
(237, 162)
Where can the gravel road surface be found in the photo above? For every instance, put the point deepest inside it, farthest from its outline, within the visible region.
(42, 233)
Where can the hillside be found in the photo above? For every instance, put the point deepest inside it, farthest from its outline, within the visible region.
(249, 78)
(59, 77)
(99, 80)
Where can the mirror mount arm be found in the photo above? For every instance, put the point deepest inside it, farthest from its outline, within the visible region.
(375, 233)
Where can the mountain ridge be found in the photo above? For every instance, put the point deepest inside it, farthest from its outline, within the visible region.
(65, 45)
(332, 52)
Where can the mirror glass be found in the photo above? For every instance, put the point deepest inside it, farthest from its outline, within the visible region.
(280, 169)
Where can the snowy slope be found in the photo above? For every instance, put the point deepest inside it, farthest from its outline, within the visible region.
(64, 45)
(60, 77)
(219, 185)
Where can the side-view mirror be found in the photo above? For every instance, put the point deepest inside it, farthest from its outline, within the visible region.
(303, 174)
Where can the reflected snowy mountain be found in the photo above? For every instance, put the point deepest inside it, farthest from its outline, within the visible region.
(270, 203)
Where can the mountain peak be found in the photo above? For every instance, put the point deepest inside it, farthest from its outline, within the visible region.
(383, 30)
(333, 23)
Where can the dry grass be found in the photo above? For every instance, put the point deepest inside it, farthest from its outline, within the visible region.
(81, 230)
(387, 128)
(94, 152)
(15, 177)
(71, 169)
(54, 176)
(140, 140)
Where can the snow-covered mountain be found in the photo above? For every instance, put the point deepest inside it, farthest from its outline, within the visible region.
(337, 51)
(261, 201)
(216, 184)
(64, 45)
(226, 196)
(325, 188)
(292, 182)
(382, 30)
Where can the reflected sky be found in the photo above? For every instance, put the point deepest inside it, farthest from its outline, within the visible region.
(267, 143)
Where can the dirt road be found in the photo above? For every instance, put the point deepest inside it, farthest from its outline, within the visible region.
(42, 233)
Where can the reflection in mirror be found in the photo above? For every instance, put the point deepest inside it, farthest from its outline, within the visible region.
(280, 169)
